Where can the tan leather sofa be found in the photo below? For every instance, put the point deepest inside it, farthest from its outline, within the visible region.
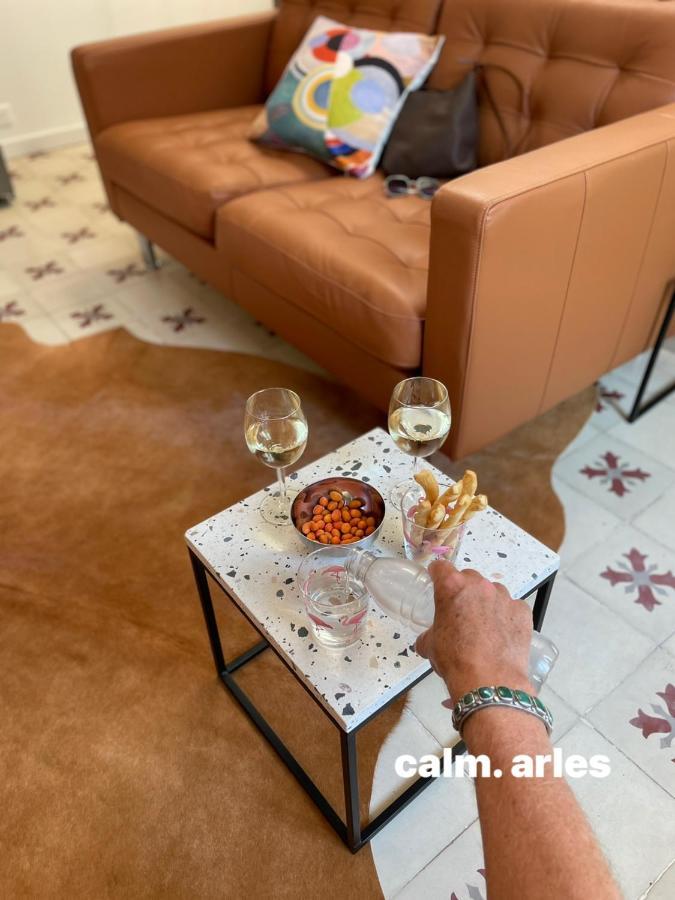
(519, 285)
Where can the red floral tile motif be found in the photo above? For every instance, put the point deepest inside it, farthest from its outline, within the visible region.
(663, 722)
(74, 237)
(42, 203)
(37, 273)
(473, 891)
(88, 317)
(11, 310)
(641, 578)
(133, 270)
(605, 394)
(70, 178)
(618, 476)
(182, 320)
(12, 232)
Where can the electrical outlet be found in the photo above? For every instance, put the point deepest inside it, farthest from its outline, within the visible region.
(6, 115)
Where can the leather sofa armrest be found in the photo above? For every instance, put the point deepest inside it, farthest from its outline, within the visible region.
(547, 270)
(180, 70)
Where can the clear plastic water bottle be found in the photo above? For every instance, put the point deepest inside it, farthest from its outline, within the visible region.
(404, 590)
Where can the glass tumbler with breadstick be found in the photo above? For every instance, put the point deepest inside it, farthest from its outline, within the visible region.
(419, 423)
(435, 516)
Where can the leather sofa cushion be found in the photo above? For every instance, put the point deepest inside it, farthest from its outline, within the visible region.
(187, 166)
(580, 65)
(343, 252)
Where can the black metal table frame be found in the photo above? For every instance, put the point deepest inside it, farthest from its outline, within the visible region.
(639, 408)
(352, 833)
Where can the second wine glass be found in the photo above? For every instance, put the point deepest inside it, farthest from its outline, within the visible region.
(276, 433)
(419, 423)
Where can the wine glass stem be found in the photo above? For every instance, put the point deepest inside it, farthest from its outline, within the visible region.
(281, 482)
(414, 468)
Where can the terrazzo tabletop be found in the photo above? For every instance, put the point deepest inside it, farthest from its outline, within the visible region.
(256, 563)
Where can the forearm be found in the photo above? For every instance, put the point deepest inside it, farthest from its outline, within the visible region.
(536, 838)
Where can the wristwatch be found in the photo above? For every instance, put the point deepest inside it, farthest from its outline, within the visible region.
(484, 697)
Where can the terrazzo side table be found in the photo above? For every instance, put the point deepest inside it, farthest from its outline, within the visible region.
(255, 565)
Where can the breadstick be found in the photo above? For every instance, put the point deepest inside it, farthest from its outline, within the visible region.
(453, 491)
(478, 505)
(469, 482)
(428, 483)
(422, 513)
(436, 516)
(459, 509)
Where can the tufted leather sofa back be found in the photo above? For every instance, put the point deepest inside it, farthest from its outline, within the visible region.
(295, 17)
(578, 64)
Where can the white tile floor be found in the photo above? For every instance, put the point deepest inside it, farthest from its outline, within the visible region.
(68, 269)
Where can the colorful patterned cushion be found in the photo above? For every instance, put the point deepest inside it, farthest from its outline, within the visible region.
(342, 91)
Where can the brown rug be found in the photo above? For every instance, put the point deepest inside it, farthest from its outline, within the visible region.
(126, 769)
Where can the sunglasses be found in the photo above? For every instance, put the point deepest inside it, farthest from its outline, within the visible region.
(402, 186)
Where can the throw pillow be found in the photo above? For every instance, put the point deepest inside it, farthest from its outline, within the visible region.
(341, 92)
(436, 134)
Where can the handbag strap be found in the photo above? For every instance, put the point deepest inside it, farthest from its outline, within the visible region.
(480, 69)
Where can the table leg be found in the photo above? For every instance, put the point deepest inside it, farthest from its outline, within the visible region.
(541, 601)
(199, 570)
(639, 407)
(350, 777)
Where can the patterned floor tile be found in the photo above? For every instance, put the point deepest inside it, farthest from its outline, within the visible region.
(76, 287)
(587, 433)
(408, 736)
(639, 718)
(634, 576)
(457, 872)
(664, 887)
(632, 372)
(418, 834)
(424, 702)
(598, 649)
(19, 308)
(564, 717)
(10, 286)
(615, 475)
(586, 523)
(43, 330)
(658, 520)
(629, 812)
(80, 320)
(654, 436)
(615, 398)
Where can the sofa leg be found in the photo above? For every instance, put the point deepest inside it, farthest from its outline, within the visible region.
(147, 252)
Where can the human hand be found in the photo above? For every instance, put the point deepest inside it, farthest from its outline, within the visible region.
(480, 635)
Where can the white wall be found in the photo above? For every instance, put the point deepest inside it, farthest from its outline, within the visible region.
(36, 38)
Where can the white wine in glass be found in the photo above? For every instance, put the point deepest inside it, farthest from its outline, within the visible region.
(419, 423)
(276, 433)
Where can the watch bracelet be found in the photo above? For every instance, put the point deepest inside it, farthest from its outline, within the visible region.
(499, 696)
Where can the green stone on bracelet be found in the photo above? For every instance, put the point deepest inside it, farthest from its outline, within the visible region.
(504, 693)
(485, 693)
(523, 698)
(468, 700)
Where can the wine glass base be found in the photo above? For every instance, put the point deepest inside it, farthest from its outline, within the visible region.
(276, 509)
(399, 491)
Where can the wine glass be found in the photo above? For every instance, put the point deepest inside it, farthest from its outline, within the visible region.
(419, 423)
(276, 433)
